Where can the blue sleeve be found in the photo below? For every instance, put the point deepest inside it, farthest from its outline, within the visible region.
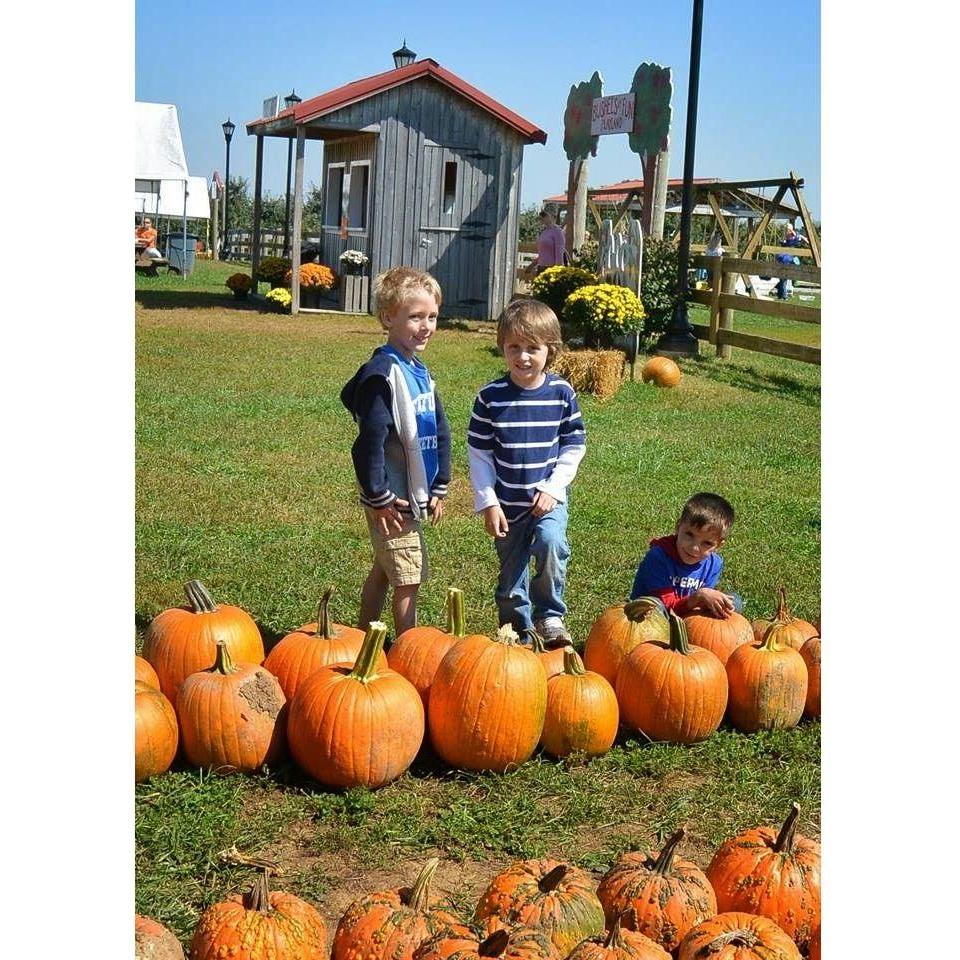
(712, 576)
(375, 421)
(480, 428)
(443, 449)
(572, 432)
(653, 575)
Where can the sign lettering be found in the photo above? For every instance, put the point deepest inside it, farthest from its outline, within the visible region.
(612, 114)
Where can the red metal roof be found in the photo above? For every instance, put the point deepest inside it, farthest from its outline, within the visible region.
(615, 192)
(325, 103)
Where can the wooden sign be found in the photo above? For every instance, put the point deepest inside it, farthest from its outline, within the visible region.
(612, 114)
(651, 116)
(578, 140)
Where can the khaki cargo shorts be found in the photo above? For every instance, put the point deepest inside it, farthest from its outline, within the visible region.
(402, 556)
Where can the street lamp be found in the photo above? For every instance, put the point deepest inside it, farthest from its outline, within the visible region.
(291, 99)
(680, 338)
(404, 56)
(228, 128)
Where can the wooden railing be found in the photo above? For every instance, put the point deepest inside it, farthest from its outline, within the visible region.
(722, 301)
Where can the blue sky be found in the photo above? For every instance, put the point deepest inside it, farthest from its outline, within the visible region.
(758, 114)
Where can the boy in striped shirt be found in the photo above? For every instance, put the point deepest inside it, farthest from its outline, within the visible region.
(525, 442)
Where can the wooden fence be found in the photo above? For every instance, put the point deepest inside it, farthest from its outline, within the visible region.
(271, 243)
(722, 301)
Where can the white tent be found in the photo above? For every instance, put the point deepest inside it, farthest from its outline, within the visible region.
(164, 198)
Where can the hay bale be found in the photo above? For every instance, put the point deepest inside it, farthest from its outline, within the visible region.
(599, 372)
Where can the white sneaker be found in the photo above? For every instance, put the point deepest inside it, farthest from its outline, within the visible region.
(552, 630)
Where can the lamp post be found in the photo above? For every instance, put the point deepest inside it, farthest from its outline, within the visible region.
(291, 99)
(680, 338)
(228, 128)
(404, 56)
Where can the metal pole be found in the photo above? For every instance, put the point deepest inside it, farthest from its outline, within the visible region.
(286, 213)
(680, 338)
(226, 208)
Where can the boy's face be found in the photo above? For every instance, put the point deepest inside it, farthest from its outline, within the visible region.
(411, 324)
(525, 360)
(695, 544)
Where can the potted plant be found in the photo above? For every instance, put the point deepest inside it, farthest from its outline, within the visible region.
(603, 311)
(355, 288)
(240, 284)
(315, 278)
(352, 262)
(273, 270)
(280, 299)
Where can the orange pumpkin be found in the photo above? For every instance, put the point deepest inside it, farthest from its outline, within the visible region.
(662, 371)
(487, 703)
(619, 944)
(417, 652)
(794, 632)
(260, 926)
(156, 736)
(230, 715)
(313, 646)
(737, 936)
(356, 725)
(771, 874)
(145, 673)
(810, 652)
(719, 635)
(182, 640)
(660, 895)
(619, 629)
(582, 713)
(675, 693)
(814, 953)
(462, 943)
(391, 924)
(154, 941)
(551, 653)
(556, 898)
(768, 685)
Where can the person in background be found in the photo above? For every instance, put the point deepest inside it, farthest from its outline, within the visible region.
(791, 238)
(551, 244)
(714, 248)
(145, 240)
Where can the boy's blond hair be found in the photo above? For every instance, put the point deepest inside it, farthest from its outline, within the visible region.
(394, 287)
(533, 320)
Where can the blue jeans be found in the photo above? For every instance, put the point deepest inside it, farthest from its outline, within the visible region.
(521, 599)
(785, 284)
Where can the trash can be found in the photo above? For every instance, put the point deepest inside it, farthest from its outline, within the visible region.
(180, 259)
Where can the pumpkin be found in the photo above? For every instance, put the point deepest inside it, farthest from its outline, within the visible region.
(356, 725)
(768, 685)
(487, 703)
(675, 692)
(557, 898)
(794, 632)
(182, 640)
(619, 944)
(313, 646)
(551, 653)
(230, 715)
(582, 713)
(737, 936)
(145, 673)
(260, 926)
(659, 895)
(619, 629)
(391, 924)
(719, 635)
(156, 731)
(417, 652)
(154, 941)
(662, 371)
(771, 874)
(810, 652)
(814, 952)
(460, 942)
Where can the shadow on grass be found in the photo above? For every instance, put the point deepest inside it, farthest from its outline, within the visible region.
(193, 299)
(750, 378)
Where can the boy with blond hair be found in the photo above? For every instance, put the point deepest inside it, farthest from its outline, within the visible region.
(402, 453)
(525, 442)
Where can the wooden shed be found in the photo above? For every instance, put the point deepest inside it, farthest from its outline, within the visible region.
(420, 169)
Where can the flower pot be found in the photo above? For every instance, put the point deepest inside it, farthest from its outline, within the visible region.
(310, 297)
(354, 293)
(240, 294)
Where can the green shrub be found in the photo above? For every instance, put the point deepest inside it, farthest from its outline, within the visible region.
(555, 284)
(273, 269)
(604, 310)
(658, 286)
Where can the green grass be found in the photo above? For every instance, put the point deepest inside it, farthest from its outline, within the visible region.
(244, 481)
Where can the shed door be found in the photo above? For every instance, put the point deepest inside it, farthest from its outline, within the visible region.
(458, 206)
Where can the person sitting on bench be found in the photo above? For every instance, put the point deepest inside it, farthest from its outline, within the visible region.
(145, 240)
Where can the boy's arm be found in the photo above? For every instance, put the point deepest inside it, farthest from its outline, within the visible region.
(439, 488)
(483, 472)
(572, 448)
(375, 420)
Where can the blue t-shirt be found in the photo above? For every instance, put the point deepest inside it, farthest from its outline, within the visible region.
(663, 574)
(421, 393)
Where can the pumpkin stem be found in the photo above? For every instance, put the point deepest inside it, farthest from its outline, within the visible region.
(783, 611)
(550, 881)
(224, 664)
(536, 641)
(679, 640)
(638, 610)
(615, 937)
(784, 841)
(736, 938)
(258, 896)
(572, 664)
(456, 614)
(199, 597)
(663, 863)
(506, 634)
(495, 944)
(365, 669)
(771, 641)
(419, 897)
(323, 614)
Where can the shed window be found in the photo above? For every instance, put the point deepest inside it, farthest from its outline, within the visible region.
(449, 186)
(334, 197)
(359, 185)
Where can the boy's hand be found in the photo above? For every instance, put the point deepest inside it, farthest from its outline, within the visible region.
(542, 503)
(713, 602)
(495, 521)
(435, 509)
(388, 519)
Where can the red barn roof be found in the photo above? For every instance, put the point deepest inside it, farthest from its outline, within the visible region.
(357, 90)
(616, 192)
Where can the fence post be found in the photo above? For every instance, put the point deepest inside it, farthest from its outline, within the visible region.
(726, 314)
(716, 272)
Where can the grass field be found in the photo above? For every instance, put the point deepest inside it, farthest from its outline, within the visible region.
(244, 481)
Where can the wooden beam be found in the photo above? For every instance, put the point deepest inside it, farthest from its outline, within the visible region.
(781, 309)
(813, 238)
(757, 236)
(257, 203)
(778, 348)
(811, 274)
(592, 207)
(728, 237)
(297, 226)
(784, 182)
(622, 209)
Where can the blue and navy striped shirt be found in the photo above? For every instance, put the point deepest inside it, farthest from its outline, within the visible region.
(526, 430)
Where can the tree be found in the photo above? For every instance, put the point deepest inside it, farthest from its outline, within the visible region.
(312, 211)
(239, 204)
(529, 223)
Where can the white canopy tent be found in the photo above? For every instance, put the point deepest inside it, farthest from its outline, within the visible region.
(164, 198)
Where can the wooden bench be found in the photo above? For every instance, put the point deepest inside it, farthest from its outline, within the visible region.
(149, 265)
